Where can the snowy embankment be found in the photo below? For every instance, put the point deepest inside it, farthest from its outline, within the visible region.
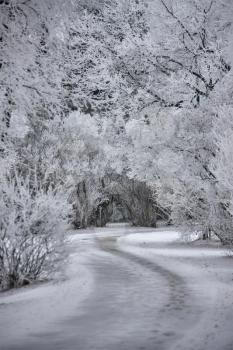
(174, 243)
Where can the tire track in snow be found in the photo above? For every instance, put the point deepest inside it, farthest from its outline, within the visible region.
(176, 316)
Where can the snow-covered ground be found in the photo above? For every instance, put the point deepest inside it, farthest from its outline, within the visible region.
(35, 309)
(126, 288)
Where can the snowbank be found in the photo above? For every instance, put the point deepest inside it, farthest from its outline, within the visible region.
(171, 243)
(151, 237)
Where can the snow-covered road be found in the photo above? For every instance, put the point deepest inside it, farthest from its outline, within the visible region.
(126, 289)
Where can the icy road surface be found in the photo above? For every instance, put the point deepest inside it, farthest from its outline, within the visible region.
(126, 289)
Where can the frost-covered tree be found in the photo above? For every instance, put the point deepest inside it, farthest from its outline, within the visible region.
(175, 142)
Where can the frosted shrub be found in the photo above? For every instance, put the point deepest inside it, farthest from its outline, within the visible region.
(31, 231)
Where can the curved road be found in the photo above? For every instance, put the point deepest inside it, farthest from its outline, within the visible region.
(140, 300)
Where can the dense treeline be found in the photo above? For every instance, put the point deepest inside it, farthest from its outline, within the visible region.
(111, 104)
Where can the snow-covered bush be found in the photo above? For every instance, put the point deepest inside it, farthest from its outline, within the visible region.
(31, 230)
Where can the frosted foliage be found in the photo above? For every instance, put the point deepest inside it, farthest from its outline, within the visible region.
(107, 104)
(32, 225)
